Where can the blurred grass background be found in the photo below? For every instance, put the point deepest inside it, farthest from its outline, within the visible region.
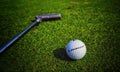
(94, 22)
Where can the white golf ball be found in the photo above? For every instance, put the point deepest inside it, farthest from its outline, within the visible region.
(76, 49)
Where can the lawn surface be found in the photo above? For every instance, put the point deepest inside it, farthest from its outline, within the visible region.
(42, 49)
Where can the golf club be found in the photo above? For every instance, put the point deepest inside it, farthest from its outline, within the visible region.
(39, 18)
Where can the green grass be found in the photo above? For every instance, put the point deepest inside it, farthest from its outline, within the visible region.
(42, 49)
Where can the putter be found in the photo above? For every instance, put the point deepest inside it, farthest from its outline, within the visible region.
(39, 18)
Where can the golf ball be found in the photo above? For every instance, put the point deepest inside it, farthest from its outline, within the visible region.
(76, 49)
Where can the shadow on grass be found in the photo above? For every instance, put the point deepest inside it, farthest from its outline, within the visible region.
(61, 54)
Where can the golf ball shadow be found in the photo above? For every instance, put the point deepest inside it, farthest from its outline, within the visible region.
(61, 54)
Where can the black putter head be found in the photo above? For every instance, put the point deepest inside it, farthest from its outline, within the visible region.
(48, 17)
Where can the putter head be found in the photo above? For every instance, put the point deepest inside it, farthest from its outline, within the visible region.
(48, 17)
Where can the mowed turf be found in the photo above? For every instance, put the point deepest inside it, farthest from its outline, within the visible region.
(42, 49)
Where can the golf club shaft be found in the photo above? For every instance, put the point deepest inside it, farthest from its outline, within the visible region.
(18, 36)
(39, 18)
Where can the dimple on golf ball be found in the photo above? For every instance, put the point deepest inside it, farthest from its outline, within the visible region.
(76, 49)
